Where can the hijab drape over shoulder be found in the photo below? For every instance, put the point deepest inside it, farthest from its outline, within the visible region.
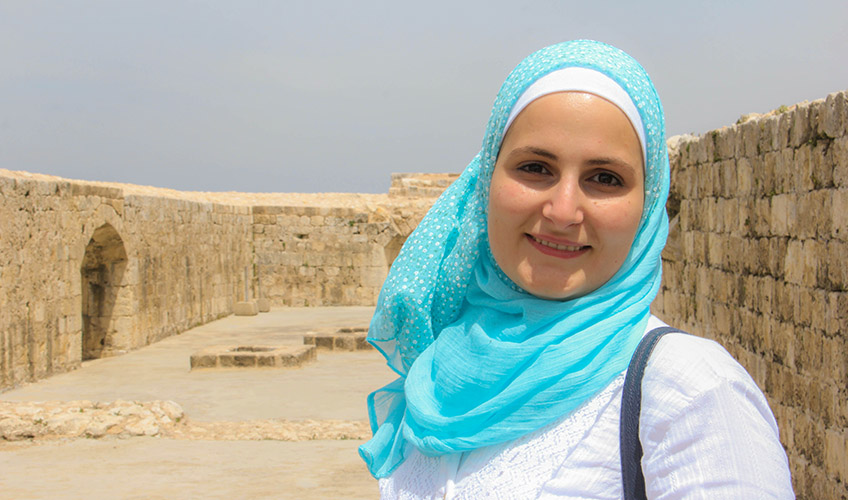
(481, 361)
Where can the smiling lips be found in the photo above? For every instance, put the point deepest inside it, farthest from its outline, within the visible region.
(556, 249)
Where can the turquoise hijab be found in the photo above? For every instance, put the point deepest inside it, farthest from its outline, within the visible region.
(481, 361)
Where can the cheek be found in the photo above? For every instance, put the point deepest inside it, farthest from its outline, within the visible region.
(622, 222)
(498, 202)
(497, 213)
(505, 216)
(507, 197)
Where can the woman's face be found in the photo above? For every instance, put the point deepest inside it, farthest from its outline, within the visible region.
(566, 195)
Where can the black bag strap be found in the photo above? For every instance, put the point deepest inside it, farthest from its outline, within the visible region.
(631, 407)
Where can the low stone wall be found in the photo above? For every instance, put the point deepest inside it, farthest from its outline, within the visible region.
(757, 261)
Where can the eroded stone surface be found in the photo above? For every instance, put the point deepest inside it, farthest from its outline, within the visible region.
(45, 420)
(123, 419)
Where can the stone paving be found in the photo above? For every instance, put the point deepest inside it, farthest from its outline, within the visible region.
(144, 425)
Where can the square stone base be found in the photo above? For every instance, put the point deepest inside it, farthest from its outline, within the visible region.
(253, 356)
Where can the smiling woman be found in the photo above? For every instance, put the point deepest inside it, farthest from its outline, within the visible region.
(566, 195)
(512, 312)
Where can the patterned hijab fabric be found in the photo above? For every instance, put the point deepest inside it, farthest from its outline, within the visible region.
(481, 361)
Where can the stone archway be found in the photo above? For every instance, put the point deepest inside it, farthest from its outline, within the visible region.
(102, 274)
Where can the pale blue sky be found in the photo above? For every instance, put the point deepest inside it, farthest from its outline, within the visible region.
(310, 96)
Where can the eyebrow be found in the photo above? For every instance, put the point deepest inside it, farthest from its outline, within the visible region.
(610, 161)
(534, 150)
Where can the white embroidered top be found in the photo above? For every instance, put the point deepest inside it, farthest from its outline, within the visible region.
(705, 427)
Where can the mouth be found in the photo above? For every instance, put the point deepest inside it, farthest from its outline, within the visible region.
(557, 246)
(558, 250)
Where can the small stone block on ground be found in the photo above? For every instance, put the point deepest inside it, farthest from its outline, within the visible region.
(253, 357)
(264, 305)
(248, 308)
(344, 339)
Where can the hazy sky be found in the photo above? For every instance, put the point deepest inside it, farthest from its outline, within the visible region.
(310, 96)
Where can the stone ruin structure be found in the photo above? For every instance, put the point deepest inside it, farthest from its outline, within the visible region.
(756, 260)
(91, 269)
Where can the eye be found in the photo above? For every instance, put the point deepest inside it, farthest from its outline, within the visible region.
(534, 168)
(606, 179)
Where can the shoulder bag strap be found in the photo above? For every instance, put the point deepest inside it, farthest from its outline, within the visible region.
(631, 406)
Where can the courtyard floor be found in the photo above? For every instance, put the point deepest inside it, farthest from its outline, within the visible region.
(333, 388)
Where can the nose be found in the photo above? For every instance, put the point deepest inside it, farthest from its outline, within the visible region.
(565, 204)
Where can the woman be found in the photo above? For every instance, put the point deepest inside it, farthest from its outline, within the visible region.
(515, 307)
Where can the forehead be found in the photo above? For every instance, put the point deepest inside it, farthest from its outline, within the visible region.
(585, 80)
(575, 115)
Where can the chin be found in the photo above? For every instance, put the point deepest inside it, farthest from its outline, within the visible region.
(550, 292)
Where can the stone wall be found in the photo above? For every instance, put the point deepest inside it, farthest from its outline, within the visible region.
(313, 256)
(90, 270)
(757, 261)
(97, 269)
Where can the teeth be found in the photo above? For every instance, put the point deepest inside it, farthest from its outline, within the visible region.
(558, 247)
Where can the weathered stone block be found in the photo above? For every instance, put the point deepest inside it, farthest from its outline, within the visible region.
(840, 161)
(744, 177)
(725, 143)
(715, 249)
(833, 121)
(345, 339)
(785, 172)
(204, 361)
(814, 262)
(837, 313)
(768, 126)
(836, 452)
(809, 439)
(246, 308)
(728, 178)
(839, 214)
(802, 171)
(786, 302)
(837, 270)
(794, 263)
(808, 353)
(768, 171)
(82, 189)
(800, 131)
(749, 133)
(783, 343)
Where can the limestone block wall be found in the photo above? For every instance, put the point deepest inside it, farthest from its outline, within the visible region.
(190, 262)
(91, 269)
(96, 269)
(312, 256)
(757, 260)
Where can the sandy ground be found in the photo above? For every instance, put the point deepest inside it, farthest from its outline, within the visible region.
(334, 387)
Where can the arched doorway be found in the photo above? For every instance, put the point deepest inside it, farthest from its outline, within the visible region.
(102, 274)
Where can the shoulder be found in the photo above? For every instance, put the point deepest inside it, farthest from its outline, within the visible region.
(705, 422)
(696, 379)
(683, 367)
